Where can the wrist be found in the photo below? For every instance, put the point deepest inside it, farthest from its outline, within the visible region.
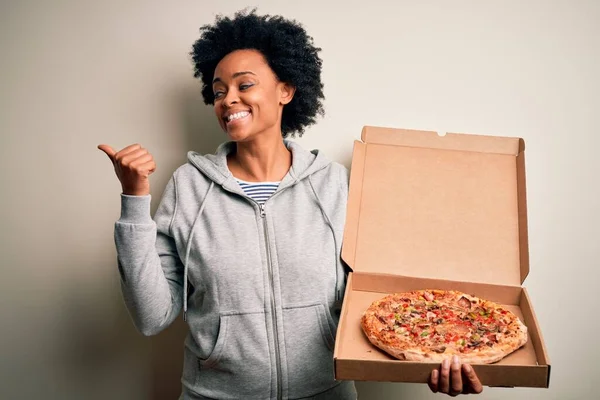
(135, 191)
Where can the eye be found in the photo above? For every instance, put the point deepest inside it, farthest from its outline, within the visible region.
(245, 86)
(218, 94)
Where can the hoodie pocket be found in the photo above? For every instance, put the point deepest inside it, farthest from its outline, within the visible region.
(309, 341)
(239, 365)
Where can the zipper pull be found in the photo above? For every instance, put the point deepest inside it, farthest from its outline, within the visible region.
(262, 210)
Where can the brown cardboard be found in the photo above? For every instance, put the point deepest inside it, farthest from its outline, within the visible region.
(426, 211)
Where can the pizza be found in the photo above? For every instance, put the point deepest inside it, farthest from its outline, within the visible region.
(432, 325)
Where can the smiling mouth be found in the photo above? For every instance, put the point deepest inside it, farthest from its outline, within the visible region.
(236, 116)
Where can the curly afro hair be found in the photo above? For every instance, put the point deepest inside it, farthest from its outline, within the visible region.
(288, 50)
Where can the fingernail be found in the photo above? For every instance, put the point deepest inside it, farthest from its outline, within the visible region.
(434, 374)
(455, 359)
(467, 368)
(445, 363)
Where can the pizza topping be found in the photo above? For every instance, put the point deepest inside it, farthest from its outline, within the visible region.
(421, 304)
(439, 349)
(388, 322)
(401, 330)
(461, 329)
(488, 327)
(492, 338)
(464, 302)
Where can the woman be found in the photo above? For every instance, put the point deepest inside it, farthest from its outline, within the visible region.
(247, 241)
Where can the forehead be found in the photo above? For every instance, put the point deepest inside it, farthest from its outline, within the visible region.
(242, 60)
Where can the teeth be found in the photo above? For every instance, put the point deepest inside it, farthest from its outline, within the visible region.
(238, 115)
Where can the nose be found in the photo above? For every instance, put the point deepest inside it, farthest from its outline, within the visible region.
(230, 98)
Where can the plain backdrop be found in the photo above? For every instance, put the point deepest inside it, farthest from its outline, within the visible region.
(77, 73)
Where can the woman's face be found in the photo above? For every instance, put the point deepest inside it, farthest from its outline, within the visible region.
(249, 98)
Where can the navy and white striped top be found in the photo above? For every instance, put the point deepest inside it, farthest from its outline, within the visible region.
(258, 191)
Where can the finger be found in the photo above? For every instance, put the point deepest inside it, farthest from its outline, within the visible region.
(109, 151)
(474, 384)
(142, 159)
(445, 377)
(146, 169)
(124, 151)
(434, 381)
(132, 156)
(456, 385)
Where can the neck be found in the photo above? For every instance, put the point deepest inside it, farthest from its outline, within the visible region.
(261, 159)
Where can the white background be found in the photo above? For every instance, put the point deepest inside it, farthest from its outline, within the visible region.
(74, 74)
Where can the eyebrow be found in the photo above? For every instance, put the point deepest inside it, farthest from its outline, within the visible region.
(234, 76)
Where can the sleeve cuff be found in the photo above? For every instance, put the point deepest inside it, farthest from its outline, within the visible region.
(135, 209)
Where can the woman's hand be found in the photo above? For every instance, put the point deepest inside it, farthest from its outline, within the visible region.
(454, 379)
(133, 165)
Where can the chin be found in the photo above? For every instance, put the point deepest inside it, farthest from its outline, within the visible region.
(239, 135)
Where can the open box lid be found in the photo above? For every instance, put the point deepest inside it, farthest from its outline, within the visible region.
(446, 207)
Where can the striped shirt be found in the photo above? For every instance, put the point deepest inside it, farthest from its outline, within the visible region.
(258, 191)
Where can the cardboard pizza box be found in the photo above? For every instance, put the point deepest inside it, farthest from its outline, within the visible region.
(427, 211)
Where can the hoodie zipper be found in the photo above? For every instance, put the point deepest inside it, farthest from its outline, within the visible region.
(273, 309)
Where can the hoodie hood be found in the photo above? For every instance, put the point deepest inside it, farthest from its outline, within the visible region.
(214, 166)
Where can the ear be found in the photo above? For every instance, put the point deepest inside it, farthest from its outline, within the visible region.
(286, 93)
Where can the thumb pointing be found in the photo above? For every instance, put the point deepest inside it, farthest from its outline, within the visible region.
(109, 151)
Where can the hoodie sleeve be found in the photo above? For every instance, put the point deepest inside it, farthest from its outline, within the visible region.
(150, 268)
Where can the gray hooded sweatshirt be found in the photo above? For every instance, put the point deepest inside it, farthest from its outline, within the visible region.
(260, 286)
